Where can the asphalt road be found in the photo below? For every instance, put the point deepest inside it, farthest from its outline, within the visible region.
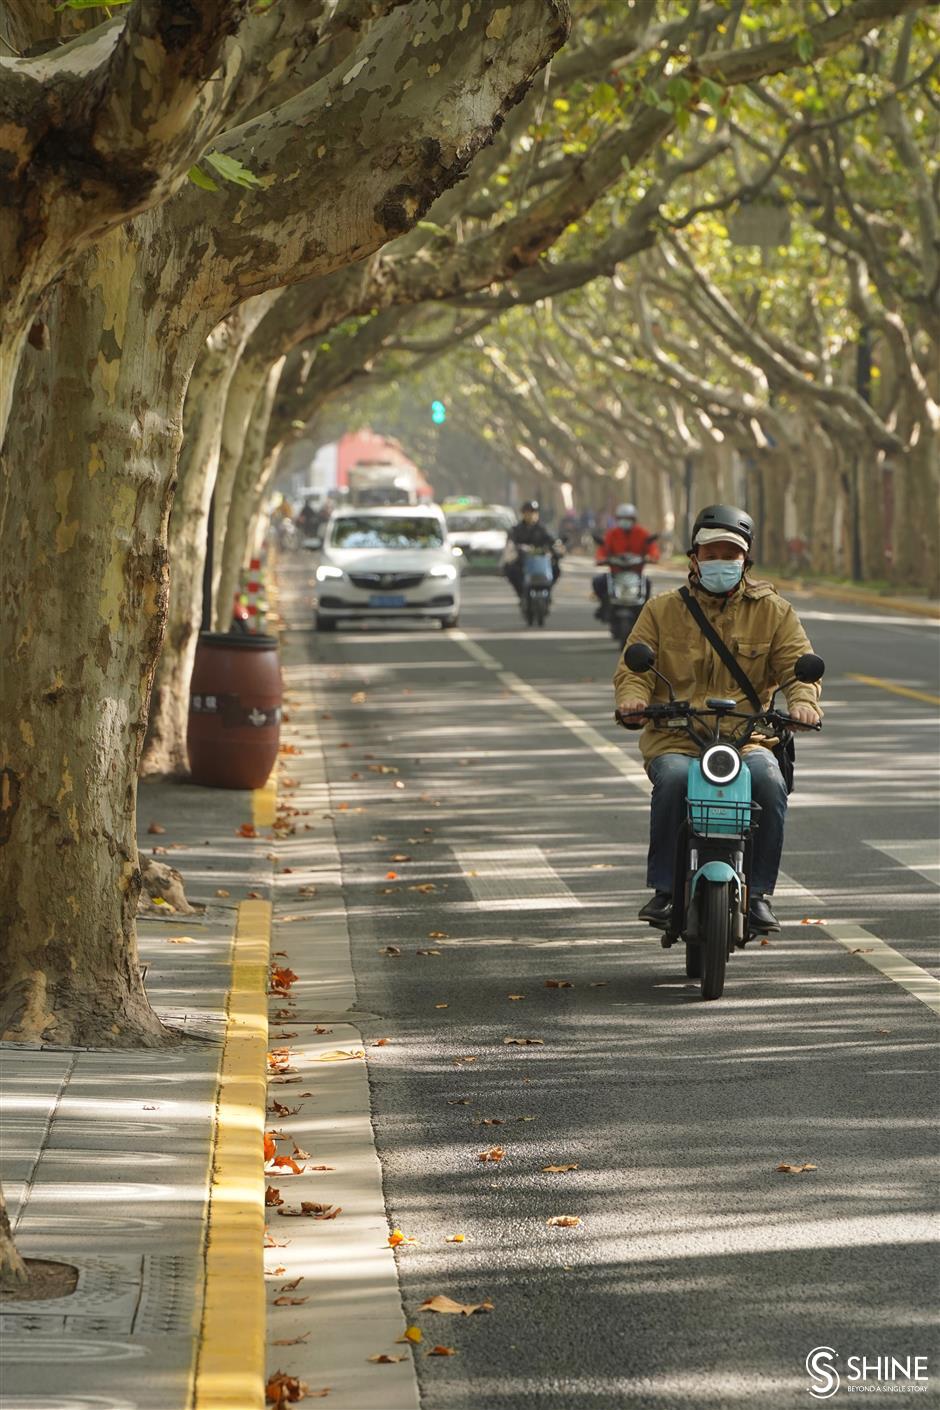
(698, 1276)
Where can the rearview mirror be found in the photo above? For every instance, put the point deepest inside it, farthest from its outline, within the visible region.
(809, 668)
(639, 657)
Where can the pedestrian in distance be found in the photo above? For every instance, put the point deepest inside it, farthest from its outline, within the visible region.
(761, 638)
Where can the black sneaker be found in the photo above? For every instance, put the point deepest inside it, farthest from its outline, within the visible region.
(657, 908)
(760, 918)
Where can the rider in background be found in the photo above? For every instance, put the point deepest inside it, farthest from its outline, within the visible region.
(626, 537)
(530, 530)
(763, 632)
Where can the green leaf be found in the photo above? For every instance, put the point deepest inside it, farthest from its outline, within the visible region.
(200, 179)
(231, 169)
(711, 92)
(804, 46)
(679, 90)
(89, 5)
(432, 228)
(561, 105)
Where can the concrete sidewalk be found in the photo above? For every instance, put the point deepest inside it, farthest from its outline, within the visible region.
(108, 1157)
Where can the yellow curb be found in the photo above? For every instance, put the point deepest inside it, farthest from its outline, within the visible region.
(264, 803)
(229, 1372)
(895, 689)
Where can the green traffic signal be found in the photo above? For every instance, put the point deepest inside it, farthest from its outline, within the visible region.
(438, 413)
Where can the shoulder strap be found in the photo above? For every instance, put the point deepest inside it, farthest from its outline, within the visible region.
(719, 648)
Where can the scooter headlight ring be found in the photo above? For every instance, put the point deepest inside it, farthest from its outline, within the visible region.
(721, 764)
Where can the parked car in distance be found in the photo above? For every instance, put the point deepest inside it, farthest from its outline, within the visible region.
(387, 561)
(480, 532)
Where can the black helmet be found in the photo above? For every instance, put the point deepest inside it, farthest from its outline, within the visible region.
(727, 517)
(530, 505)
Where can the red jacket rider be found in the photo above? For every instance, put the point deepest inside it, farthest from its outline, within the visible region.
(627, 536)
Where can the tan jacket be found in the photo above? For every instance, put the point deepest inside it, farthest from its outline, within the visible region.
(758, 626)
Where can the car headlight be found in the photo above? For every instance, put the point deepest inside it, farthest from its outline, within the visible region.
(443, 570)
(326, 570)
(721, 764)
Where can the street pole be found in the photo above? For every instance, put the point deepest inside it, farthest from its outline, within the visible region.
(863, 364)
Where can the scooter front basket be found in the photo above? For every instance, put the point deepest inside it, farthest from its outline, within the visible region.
(714, 819)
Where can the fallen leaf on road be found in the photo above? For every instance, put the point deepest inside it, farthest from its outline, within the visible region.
(492, 1121)
(311, 1210)
(318, 1028)
(806, 921)
(391, 876)
(180, 940)
(602, 866)
(272, 1196)
(495, 1153)
(559, 1169)
(558, 984)
(289, 1301)
(286, 1162)
(222, 892)
(455, 1238)
(525, 1042)
(598, 983)
(794, 1169)
(428, 952)
(293, 1285)
(564, 1221)
(442, 1006)
(380, 1042)
(156, 828)
(320, 1167)
(279, 1060)
(884, 1032)
(281, 979)
(247, 830)
(765, 942)
(270, 1146)
(438, 934)
(271, 1242)
(341, 1055)
(412, 1334)
(359, 698)
(447, 1305)
(384, 1359)
(398, 783)
(459, 1060)
(296, 1341)
(458, 1101)
(527, 1118)
(400, 857)
(279, 1109)
(442, 1351)
(424, 887)
(254, 895)
(393, 950)
(382, 769)
(275, 1273)
(860, 951)
(306, 891)
(283, 1389)
(396, 1237)
(515, 996)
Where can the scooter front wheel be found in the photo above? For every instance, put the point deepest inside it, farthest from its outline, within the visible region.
(716, 937)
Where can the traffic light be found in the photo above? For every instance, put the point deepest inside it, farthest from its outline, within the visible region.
(438, 413)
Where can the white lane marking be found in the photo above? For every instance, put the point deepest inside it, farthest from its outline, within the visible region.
(868, 618)
(875, 952)
(880, 956)
(613, 753)
(920, 856)
(514, 879)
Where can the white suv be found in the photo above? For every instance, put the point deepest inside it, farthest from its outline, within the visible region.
(393, 561)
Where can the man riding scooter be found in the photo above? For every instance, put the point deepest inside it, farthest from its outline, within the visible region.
(530, 532)
(723, 632)
(626, 540)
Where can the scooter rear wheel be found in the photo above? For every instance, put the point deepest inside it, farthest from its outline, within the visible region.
(716, 937)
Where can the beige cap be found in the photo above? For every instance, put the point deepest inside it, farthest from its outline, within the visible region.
(720, 536)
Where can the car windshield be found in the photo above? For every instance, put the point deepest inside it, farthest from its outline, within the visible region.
(385, 531)
(474, 523)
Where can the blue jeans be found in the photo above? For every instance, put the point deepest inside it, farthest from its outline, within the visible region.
(669, 774)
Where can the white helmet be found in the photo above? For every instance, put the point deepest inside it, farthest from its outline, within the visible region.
(625, 511)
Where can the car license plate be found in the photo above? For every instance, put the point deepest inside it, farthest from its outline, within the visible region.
(387, 599)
